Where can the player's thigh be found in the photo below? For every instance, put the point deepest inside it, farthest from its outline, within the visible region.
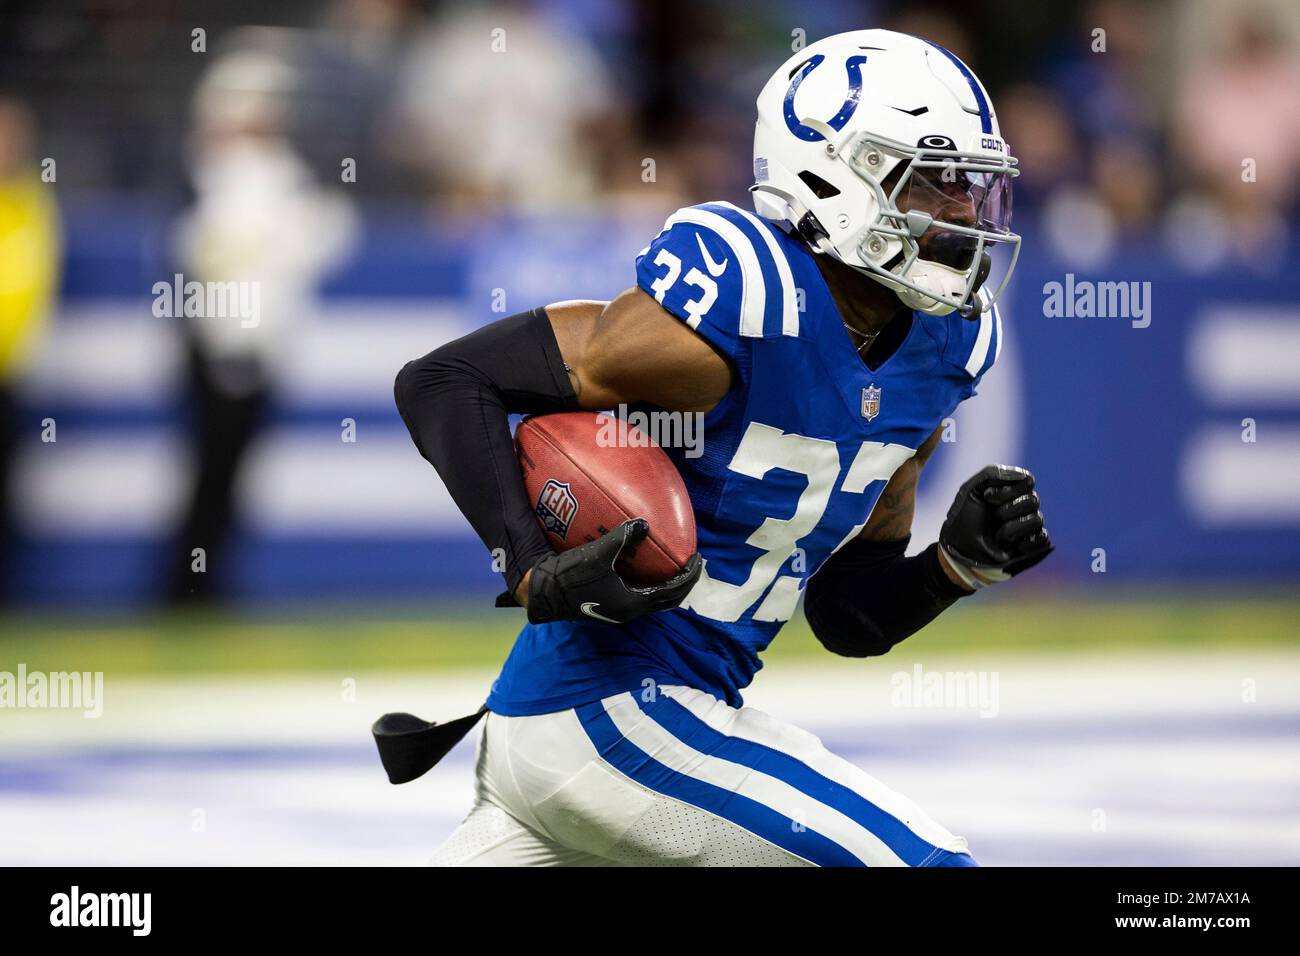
(490, 836)
(766, 776)
(501, 830)
(672, 832)
(559, 781)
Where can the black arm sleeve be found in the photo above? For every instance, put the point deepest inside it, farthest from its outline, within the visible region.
(456, 401)
(867, 596)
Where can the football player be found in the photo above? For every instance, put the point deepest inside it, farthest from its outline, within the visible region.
(824, 336)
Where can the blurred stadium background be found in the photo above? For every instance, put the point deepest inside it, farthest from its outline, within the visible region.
(394, 173)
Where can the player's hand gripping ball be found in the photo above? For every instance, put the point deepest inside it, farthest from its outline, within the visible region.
(994, 529)
(585, 582)
(616, 511)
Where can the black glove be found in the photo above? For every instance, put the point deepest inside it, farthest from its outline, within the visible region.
(994, 529)
(583, 582)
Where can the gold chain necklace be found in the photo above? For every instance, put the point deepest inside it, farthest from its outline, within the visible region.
(869, 337)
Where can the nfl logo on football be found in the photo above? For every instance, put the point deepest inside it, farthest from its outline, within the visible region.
(870, 402)
(556, 507)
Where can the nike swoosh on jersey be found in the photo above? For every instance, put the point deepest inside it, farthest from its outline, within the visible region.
(587, 610)
(715, 269)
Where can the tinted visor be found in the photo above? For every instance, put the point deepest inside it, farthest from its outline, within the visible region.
(960, 192)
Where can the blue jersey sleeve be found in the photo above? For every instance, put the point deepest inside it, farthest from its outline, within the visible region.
(719, 269)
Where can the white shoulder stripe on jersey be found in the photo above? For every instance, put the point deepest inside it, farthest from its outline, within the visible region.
(753, 295)
(789, 300)
(981, 350)
(997, 329)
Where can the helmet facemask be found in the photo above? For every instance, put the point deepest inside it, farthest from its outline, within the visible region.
(939, 212)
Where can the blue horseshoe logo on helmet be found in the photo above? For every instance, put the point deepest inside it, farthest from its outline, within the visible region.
(853, 65)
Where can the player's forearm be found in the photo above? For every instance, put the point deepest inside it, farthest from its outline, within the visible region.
(456, 403)
(869, 596)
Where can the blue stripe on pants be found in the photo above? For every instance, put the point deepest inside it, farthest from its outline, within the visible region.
(695, 733)
(763, 821)
(954, 859)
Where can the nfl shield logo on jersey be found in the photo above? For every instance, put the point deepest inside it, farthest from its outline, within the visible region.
(870, 402)
(556, 507)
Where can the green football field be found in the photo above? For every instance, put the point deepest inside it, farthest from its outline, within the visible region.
(303, 639)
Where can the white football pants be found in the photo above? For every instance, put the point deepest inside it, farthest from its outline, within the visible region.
(681, 780)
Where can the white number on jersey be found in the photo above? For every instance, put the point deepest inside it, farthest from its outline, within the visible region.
(696, 309)
(761, 449)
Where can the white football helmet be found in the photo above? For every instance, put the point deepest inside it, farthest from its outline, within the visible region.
(882, 150)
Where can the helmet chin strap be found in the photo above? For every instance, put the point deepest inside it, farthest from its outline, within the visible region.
(975, 305)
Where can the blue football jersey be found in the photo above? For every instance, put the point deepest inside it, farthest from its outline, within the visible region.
(794, 458)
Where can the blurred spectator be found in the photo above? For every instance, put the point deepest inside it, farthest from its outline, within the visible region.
(502, 110)
(29, 265)
(1036, 121)
(1236, 104)
(370, 31)
(1088, 132)
(1112, 89)
(260, 220)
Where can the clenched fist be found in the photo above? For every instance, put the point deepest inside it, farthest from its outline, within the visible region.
(994, 529)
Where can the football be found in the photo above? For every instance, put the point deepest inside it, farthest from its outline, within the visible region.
(587, 472)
